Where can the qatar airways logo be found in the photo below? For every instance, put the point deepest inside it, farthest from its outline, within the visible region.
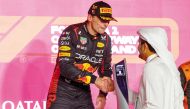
(23, 105)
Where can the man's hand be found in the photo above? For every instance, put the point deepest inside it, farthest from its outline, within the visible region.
(105, 84)
(102, 84)
(110, 83)
(100, 102)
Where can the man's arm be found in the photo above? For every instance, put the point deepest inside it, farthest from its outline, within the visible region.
(66, 58)
(105, 72)
(105, 68)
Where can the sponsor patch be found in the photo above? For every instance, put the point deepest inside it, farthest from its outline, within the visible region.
(64, 42)
(64, 59)
(103, 37)
(85, 79)
(99, 53)
(88, 58)
(64, 54)
(83, 40)
(64, 48)
(81, 47)
(86, 67)
(105, 18)
(106, 10)
(100, 44)
(65, 38)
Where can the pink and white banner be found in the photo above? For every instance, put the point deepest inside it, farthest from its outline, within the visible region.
(29, 31)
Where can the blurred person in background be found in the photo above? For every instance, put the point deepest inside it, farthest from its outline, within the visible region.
(184, 70)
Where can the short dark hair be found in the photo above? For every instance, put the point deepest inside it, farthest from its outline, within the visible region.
(149, 46)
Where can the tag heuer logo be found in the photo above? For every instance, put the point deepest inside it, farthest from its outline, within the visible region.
(83, 40)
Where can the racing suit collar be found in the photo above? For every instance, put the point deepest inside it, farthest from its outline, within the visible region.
(89, 35)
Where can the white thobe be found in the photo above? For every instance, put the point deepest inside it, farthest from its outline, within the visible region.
(157, 87)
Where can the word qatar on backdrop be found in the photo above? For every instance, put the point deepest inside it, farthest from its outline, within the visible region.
(23, 105)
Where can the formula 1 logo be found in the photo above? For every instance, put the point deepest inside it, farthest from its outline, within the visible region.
(17, 31)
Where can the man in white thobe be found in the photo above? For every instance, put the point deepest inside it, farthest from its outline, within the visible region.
(160, 86)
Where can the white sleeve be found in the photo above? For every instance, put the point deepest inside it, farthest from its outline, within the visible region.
(132, 96)
(154, 87)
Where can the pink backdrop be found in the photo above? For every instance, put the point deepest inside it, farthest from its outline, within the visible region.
(29, 30)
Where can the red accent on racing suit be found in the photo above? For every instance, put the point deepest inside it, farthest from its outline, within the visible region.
(80, 55)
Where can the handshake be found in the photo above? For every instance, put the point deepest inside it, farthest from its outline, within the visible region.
(105, 84)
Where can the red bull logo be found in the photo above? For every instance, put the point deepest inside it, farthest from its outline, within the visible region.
(85, 79)
(86, 67)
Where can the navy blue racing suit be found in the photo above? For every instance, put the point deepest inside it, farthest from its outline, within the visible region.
(80, 55)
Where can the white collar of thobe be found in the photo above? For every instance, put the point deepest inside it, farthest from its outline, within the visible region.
(151, 57)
